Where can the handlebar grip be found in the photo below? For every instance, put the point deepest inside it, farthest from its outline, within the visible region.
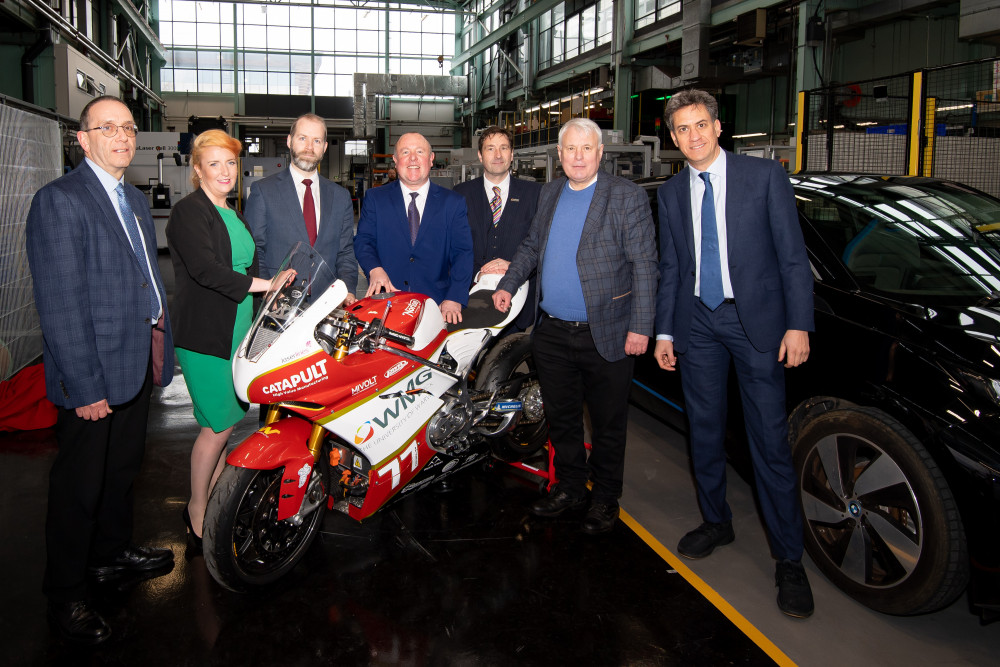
(397, 337)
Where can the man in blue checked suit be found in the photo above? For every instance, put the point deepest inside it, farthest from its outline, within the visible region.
(500, 211)
(414, 236)
(299, 205)
(92, 251)
(591, 243)
(735, 284)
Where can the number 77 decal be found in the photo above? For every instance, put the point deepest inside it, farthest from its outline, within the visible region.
(394, 465)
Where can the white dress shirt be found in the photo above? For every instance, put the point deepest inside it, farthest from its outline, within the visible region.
(717, 174)
(504, 190)
(110, 185)
(421, 196)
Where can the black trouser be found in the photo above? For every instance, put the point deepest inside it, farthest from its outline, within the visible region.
(572, 373)
(90, 492)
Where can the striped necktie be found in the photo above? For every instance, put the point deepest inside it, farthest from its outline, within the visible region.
(495, 205)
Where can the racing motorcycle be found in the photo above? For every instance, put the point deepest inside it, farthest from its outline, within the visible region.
(368, 403)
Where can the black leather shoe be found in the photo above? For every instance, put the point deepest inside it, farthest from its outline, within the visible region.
(556, 503)
(133, 559)
(702, 540)
(601, 518)
(77, 622)
(795, 597)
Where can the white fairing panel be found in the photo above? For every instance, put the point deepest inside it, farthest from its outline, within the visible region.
(295, 341)
(430, 325)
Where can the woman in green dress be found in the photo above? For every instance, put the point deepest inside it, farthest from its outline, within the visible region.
(215, 271)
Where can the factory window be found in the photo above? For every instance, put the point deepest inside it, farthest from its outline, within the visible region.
(352, 147)
(561, 38)
(282, 47)
(650, 11)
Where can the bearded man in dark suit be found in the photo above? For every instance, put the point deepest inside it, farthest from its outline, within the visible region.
(298, 204)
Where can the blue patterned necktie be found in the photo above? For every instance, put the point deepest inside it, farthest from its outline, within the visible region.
(413, 217)
(711, 268)
(136, 241)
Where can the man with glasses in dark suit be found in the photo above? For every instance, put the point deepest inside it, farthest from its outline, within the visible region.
(92, 251)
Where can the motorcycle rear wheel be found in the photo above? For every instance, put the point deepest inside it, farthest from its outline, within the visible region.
(245, 545)
(507, 361)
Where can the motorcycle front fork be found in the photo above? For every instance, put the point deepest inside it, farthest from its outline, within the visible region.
(315, 442)
(315, 494)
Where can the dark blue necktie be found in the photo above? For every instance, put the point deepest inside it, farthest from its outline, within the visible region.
(136, 240)
(711, 269)
(413, 217)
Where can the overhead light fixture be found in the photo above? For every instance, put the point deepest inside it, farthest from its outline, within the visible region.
(953, 108)
(752, 134)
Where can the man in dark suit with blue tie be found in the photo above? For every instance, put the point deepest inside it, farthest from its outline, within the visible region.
(500, 211)
(735, 284)
(413, 235)
(327, 214)
(92, 251)
(590, 244)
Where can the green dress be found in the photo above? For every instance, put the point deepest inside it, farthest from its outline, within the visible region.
(210, 379)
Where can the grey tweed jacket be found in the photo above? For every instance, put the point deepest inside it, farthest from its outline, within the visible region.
(616, 260)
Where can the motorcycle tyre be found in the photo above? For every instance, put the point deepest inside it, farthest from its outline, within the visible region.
(502, 363)
(225, 560)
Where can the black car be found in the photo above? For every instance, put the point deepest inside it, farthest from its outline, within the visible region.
(895, 419)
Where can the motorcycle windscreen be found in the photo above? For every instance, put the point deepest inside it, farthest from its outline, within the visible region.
(287, 298)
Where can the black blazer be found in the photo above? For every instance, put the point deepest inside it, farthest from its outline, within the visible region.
(206, 289)
(515, 222)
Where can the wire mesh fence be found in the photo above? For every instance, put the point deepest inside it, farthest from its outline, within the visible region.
(860, 127)
(962, 100)
(30, 157)
(942, 122)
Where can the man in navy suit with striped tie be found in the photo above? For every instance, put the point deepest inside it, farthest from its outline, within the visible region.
(735, 285)
(92, 251)
(500, 211)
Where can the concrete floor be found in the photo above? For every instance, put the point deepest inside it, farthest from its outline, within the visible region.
(659, 494)
(464, 578)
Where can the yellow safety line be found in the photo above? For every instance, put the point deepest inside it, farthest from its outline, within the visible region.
(748, 628)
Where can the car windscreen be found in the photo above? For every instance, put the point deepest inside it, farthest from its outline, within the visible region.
(912, 237)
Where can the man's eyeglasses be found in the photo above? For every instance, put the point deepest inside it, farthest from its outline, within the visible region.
(110, 129)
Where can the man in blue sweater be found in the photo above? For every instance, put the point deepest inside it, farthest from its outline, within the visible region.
(591, 242)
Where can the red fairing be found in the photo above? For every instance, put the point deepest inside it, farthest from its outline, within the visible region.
(282, 443)
(404, 316)
(402, 467)
(321, 380)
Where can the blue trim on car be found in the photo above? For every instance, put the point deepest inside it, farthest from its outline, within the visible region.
(660, 396)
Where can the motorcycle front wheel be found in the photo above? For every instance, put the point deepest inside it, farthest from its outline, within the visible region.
(245, 544)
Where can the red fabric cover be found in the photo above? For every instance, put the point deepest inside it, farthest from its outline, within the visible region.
(23, 405)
